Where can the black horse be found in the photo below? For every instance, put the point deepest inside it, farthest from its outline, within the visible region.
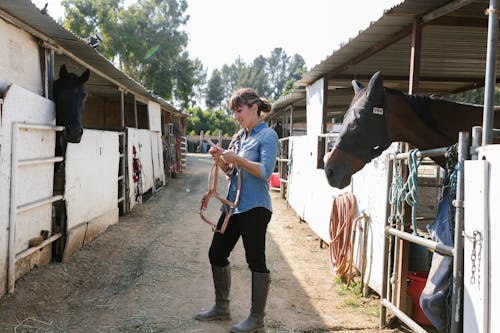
(70, 96)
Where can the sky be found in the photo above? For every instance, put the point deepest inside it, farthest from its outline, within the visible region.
(220, 31)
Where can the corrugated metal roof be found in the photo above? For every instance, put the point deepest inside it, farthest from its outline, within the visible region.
(453, 55)
(110, 78)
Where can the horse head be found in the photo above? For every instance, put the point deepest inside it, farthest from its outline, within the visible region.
(70, 96)
(363, 136)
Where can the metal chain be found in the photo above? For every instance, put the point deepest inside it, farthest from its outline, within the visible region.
(475, 238)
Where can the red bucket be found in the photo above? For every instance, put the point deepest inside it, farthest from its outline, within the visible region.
(416, 283)
(274, 180)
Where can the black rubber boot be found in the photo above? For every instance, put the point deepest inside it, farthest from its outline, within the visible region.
(255, 321)
(222, 284)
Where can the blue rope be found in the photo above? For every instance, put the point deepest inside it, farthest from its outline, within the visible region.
(400, 193)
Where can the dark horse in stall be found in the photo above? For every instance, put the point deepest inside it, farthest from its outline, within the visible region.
(69, 97)
(379, 116)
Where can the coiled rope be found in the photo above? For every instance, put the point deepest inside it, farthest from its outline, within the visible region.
(400, 193)
(342, 227)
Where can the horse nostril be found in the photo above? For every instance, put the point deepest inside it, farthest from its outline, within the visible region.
(329, 173)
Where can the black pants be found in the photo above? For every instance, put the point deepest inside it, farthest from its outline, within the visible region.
(251, 226)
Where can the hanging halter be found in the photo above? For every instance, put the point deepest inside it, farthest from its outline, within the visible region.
(213, 176)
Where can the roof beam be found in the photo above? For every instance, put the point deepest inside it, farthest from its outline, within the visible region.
(446, 9)
(372, 51)
(406, 78)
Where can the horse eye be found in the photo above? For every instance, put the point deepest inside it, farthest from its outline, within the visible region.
(376, 147)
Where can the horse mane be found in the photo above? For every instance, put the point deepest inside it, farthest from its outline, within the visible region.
(419, 104)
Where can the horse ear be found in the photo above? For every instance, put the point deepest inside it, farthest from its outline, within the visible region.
(375, 90)
(85, 76)
(63, 72)
(357, 86)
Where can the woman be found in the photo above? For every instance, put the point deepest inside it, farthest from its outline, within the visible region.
(253, 153)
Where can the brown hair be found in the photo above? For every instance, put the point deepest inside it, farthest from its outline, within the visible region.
(248, 97)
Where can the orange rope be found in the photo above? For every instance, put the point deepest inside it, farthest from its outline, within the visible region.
(342, 225)
(212, 192)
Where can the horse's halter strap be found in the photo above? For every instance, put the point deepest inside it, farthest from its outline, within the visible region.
(212, 192)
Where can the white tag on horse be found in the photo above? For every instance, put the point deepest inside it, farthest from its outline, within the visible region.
(377, 110)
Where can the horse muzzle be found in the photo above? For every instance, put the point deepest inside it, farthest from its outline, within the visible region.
(340, 166)
(337, 178)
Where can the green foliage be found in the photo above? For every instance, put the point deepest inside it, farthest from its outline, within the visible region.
(210, 122)
(146, 39)
(475, 96)
(215, 90)
(353, 289)
(271, 77)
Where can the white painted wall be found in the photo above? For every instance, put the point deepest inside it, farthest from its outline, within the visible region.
(34, 183)
(154, 114)
(314, 102)
(370, 186)
(475, 210)
(481, 212)
(19, 59)
(91, 188)
(149, 149)
(311, 197)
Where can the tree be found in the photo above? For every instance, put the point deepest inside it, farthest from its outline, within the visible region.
(270, 77)
(282, 68)
(145, 39)
(210, 122)
(215, 90)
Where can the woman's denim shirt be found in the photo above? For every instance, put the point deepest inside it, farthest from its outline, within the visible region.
(261, 146)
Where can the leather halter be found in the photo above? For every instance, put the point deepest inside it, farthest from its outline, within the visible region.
(212, 192)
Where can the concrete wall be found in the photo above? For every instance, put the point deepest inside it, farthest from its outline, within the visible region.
(154, 112)
(19, 59)
(481, 215)
(149, 150)
(311, 197)
(35, 182)
(314, 100)
(91, 189)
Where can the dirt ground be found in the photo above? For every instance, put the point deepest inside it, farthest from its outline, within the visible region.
(150, 273)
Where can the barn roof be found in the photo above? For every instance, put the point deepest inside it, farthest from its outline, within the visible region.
(78, 53)
(453, 53)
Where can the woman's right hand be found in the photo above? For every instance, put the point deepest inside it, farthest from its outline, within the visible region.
(216, 153)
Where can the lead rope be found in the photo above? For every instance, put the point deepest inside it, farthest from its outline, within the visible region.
(400, 193)
(212, 192)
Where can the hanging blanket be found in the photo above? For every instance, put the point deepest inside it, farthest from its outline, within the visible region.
(435, 297)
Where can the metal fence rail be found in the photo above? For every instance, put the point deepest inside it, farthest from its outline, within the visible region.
(456, 251)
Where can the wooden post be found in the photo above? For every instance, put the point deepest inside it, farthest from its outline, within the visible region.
(402, 246)
(202, 138)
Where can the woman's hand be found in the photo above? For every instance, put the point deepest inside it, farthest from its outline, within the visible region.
(229, 157)
(216, 153)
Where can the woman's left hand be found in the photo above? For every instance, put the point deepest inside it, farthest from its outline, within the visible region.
(229, 156)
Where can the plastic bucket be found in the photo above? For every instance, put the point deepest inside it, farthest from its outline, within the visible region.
(415, 284)
(274, 180)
